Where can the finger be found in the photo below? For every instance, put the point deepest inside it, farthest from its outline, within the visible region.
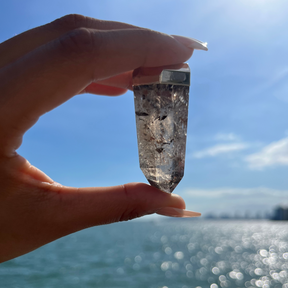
(118, 84)
(86, 207)
(99, 89)
(123, 80)
(23, 43)
(49, 211)
(53, 73)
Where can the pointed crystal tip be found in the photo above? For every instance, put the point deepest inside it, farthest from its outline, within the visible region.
(161, 117)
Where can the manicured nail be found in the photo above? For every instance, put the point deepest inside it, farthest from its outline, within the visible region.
(175, 212)
(191, 43)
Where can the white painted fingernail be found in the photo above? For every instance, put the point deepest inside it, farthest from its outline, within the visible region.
(175, 212)
(191, 43)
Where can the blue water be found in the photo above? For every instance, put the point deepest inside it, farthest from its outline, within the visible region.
(169, 254)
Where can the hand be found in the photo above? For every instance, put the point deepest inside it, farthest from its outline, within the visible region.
(39, 70)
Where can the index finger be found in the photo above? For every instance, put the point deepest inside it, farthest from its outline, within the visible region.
(53, 73)
(27, 41)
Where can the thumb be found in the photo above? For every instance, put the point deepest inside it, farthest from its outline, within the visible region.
(80, 208)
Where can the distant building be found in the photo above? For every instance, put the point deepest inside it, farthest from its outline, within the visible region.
(280, 213)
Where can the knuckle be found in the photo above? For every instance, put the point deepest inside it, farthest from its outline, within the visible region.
(77, 42)
(71, 22)
(133, 207)
(147, 36)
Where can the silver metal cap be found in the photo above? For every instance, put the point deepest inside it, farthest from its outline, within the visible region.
(174, 74)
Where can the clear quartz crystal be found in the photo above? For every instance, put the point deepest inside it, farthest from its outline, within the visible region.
(161, 118)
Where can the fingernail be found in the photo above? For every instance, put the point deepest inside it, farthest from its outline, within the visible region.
(191, 43)
(175, 212)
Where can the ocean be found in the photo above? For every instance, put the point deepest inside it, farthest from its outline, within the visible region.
(159, 253)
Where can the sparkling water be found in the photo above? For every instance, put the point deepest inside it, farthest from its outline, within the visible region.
(184, 254)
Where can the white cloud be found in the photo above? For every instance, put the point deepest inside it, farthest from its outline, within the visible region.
(220, 149)
(274, 154)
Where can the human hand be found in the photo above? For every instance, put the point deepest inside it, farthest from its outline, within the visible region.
(39, 70)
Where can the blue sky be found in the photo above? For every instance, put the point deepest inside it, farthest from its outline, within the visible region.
(237, 149)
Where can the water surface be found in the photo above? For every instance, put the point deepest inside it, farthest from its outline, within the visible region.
(156, 254)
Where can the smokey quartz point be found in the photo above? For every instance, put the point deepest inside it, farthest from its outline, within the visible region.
(161, 118)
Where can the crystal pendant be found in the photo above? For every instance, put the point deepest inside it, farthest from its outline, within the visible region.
(161, 106)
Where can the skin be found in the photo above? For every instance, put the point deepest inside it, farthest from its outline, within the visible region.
(39, 70)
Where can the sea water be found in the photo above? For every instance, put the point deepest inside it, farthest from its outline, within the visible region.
(184, 254)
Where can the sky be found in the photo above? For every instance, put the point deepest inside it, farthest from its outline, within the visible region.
(237, 139)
